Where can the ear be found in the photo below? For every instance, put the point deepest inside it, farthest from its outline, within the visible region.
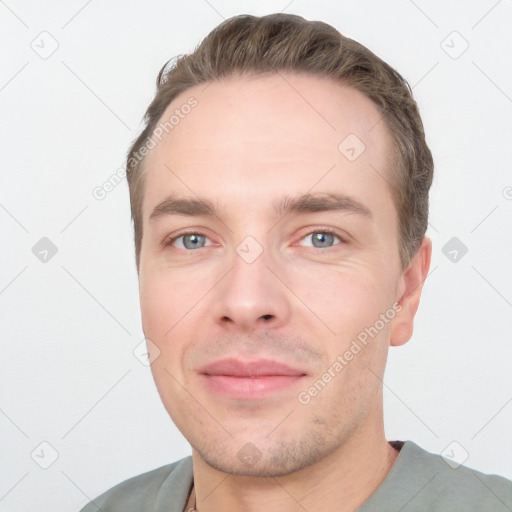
(409, 293)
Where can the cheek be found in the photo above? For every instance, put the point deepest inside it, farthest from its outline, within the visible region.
(351, 302)
(163, 312)
(347, 299)
(164, 307)
(164, 300)
(154, 304)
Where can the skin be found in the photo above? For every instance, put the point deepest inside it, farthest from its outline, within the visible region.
(249, 142)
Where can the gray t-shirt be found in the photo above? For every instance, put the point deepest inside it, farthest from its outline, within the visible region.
(418, 481)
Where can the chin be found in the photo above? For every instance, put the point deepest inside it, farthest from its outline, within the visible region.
(265, 457)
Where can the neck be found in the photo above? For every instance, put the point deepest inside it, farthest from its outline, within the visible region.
(344, 479)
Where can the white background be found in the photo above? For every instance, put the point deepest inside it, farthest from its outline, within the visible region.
(70, 325)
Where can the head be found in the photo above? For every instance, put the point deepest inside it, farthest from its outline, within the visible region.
(279, 194)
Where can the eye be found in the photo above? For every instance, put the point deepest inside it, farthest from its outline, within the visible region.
(188, 241)
(322, 239)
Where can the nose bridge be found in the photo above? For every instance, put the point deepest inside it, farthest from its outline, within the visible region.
(249, 265)
(250, 295)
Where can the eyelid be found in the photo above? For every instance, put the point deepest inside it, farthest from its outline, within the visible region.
(308, 230)
(170, 239)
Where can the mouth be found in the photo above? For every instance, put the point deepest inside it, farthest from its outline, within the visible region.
(249, 380)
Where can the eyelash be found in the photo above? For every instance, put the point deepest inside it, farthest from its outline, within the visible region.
(170, 241)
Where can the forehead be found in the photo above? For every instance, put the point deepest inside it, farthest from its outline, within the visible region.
(261, 136)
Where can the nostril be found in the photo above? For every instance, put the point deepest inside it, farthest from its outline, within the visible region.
(267, 317)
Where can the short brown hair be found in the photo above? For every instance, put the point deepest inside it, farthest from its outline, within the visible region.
(284, 42)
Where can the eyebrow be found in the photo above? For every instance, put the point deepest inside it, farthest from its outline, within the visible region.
(303, 203)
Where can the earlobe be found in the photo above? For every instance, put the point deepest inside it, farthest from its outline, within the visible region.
(413, 278)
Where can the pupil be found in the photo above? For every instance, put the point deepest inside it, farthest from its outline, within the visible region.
(322, 238)
(191, 241)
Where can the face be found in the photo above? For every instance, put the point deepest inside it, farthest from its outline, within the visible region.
(270, 277)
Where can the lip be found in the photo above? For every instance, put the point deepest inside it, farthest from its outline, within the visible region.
(259, 368)
(249, 380)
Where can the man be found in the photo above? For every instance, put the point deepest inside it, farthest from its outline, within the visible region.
(279, 194)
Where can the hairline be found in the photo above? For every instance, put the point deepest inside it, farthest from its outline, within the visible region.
(394, 164)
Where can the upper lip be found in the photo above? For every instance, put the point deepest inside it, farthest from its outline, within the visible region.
(257, 368)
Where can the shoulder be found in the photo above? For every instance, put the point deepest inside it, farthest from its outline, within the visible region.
(158, 489)
(441, 484)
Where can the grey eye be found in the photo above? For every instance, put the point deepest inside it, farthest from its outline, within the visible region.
(322, 239)
(192, 241)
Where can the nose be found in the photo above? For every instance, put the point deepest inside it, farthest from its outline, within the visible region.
(251, 297)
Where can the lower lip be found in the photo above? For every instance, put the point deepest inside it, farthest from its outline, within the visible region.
(250, 388)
